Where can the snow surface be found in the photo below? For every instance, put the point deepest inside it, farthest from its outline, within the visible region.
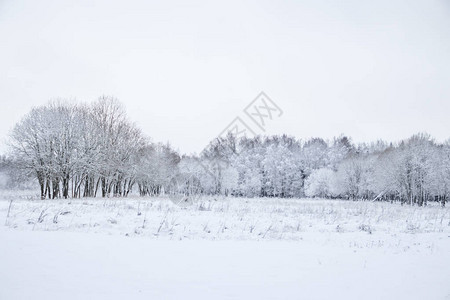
(223, 249)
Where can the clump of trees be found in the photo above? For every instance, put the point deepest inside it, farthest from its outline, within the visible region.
(85, 150)
(80, 150)
(414, 171)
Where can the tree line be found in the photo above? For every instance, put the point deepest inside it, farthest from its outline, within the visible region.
(93, 150)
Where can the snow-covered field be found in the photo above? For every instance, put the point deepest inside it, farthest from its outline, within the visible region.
(222, 248)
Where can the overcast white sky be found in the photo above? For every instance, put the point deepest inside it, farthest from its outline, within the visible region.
(378, 69)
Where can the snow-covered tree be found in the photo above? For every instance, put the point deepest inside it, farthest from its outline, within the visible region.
(321, 183)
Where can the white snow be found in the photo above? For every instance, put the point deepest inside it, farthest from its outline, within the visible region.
(314, 249)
